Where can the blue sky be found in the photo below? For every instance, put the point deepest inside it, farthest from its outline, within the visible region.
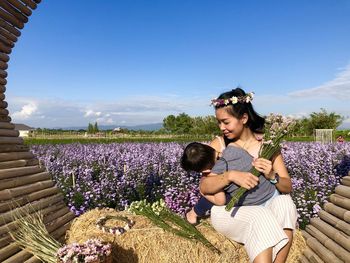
(135, 62)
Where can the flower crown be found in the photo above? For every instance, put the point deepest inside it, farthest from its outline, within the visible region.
(233, 100)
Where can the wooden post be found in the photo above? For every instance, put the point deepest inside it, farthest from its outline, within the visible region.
(19, 5)
(335, 221)
(343, 190)
(339, 251)
(336, 235)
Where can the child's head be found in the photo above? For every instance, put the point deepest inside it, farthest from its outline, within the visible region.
(198, 157)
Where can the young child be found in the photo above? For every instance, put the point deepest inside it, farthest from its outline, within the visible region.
(204, 159)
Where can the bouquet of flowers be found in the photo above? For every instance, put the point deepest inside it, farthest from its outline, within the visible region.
(92, 251)
(277, 127)
(162, 217)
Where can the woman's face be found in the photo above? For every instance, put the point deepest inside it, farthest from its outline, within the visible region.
(230, 126)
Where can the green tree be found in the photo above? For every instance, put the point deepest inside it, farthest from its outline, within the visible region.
(324, 120)
(96, 129)
(90, 128)
(169, 124)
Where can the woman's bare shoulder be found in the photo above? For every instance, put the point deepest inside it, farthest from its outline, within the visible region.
(216, 143)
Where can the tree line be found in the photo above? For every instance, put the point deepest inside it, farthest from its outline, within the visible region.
(184, 124)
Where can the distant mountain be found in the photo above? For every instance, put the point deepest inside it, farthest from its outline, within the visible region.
(145, 127)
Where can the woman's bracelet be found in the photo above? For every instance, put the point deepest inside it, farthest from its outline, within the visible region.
(100, 223)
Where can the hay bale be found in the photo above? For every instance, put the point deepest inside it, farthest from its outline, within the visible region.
(145, 242)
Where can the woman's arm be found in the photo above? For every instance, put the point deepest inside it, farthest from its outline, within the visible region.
(285, 183)
(270, 168)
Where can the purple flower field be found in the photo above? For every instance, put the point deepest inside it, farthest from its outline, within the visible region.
(114, 175)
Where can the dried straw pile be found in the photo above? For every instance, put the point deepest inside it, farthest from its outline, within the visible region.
(147, 243)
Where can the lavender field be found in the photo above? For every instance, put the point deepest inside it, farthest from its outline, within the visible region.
(114, 175)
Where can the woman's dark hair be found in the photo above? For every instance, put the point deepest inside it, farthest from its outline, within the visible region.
(198, 157)
(255, 121)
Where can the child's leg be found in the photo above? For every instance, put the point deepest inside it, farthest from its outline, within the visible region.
(203, 205)
(199, 210)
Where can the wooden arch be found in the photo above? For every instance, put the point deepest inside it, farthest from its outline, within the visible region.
(24, 181)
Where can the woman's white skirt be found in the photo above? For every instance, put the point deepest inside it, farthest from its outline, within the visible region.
(257, 227)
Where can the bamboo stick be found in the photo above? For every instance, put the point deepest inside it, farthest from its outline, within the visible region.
(33, 259)
(324, 253)
(37, 1)
(3, 104)
(15, 156)
(6, 42)
(62, 230)
(10, 28)
(26, 189)
(345, 180)
(3, 81)
(18, 257)
(305, 235)
(25, 10)
(8, 216)
(343, 190)
(3, 73)
(3, 111)
(6, 125)
(62, 210)
(33, 162)
(9, 133)
(3, 47)
(30, 3)
(13, 11)
(5, 119)
(15, 172)
(303, 259)
(4, 57)
(2, 88)
(5, 240)
(340, 201)
(12, 20)
(337, 211)
(339, 251)
(8, 35)
(8, 251)
(13, 164)
(311, 256)
(49, 208)
(25, 180)
(336, 235)
(335, 221)
(3, 65)
(17, 202)
(11, 140)
(13, 148)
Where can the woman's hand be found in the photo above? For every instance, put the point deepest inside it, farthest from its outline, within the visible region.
(244, 179)
(264, 166)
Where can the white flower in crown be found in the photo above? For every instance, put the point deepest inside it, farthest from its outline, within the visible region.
(234, 100)
(249, 97)
(226, 101)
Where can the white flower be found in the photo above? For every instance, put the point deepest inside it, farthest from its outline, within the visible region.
(234, 100)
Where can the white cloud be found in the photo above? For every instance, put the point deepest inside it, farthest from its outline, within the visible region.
(338, 88)
(89, 113)
(54, 112)
(26, 111)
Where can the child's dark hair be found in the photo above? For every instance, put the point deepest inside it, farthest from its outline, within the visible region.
(255, 121)
(198, 157)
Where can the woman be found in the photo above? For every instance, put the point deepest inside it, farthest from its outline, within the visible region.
(265, 230)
